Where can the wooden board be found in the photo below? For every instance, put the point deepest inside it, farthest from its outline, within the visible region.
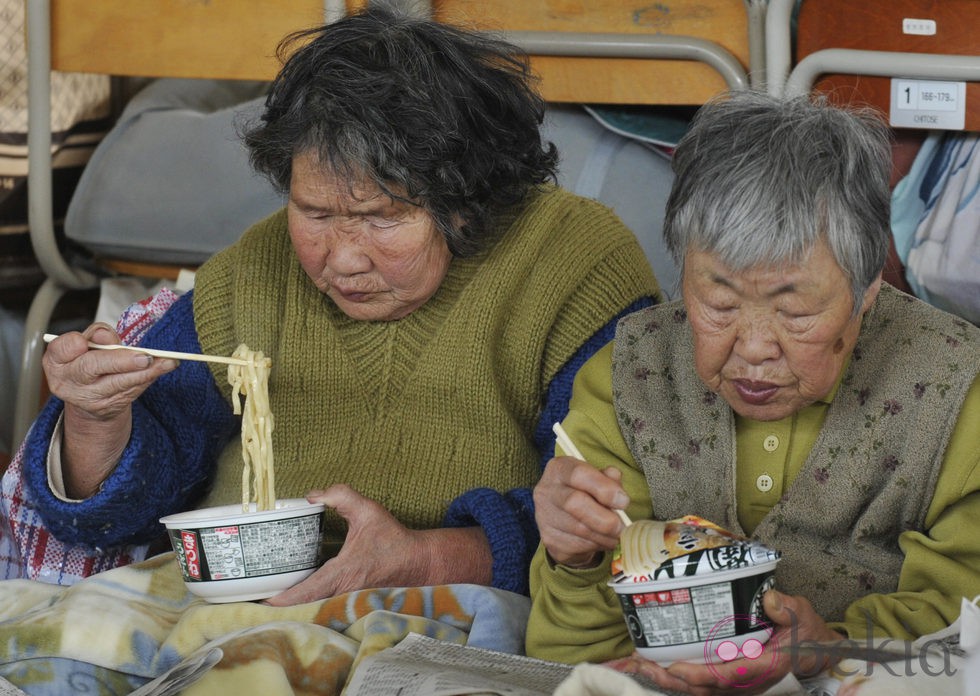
(624, 81)
(877, 26)
(142, 269)
(237, 40)
(175, 38)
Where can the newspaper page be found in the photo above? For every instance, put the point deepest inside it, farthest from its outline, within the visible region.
(9, 689)
(419, 666)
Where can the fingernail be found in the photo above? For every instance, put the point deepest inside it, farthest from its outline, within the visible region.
(777, 600)
(144, 360)
(621, 500)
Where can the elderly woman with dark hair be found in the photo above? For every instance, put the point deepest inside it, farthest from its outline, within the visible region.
(791, 396)
(425, 297)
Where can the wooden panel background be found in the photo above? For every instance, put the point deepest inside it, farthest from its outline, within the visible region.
(877, 26)
(176, 38)
(622, 81)
(234, 39)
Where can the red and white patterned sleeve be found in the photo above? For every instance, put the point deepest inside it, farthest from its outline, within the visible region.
(27, 548)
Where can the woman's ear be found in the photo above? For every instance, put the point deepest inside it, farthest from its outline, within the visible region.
(870, 294)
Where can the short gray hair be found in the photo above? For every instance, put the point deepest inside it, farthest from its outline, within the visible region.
(759, 180)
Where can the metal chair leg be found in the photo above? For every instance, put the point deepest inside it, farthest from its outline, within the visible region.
(29, 381)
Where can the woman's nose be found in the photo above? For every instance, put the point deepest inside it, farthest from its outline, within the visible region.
(345, 255)
(756, 341)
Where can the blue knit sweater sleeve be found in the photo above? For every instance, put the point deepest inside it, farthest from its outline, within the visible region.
(180, 425)
(508, 518)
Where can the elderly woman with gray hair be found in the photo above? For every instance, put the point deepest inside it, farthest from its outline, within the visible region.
(791, 396)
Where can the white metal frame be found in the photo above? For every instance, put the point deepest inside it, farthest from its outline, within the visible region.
(781, 80)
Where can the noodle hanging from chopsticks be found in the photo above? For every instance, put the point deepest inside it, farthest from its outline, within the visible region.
(252, 382)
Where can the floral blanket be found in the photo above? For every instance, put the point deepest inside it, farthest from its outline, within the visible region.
(115, 631)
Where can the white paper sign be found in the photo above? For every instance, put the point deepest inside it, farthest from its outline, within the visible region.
(928, 104)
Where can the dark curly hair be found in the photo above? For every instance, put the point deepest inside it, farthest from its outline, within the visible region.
(445, 118)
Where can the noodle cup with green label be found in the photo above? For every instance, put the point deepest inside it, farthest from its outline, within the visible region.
(229, 555)
(692, 592)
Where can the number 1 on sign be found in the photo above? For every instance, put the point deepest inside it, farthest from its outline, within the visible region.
(928, 96)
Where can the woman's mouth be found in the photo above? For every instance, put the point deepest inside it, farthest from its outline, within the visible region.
(351, 295)
(755, 393)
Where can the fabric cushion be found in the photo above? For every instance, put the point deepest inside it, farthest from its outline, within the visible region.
(171, 182)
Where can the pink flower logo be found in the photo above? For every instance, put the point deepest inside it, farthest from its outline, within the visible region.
(723, 645)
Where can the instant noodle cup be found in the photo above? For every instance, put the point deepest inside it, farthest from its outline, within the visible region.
(692, 591)
(229, 555)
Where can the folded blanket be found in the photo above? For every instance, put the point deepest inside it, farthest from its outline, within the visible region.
(936, 223)
(115, 631)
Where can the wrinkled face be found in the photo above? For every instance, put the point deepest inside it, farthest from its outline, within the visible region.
(377, 258)
(771, 340)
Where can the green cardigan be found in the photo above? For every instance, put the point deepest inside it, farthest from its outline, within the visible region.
(575, 617)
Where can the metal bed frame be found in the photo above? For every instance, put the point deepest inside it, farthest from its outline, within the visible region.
(781, 80)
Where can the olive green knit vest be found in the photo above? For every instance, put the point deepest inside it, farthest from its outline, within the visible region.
(870, 474)
(414, 412)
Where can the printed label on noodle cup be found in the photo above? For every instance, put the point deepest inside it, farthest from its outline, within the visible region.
(190, 560)
(686, 582)
(690, 614)
(698, 563)
(687, 546)
(247, 550)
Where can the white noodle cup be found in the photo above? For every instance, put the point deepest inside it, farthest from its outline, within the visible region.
(229, 555)
(697, 618)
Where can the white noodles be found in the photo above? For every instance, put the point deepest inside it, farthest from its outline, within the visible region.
(252, 382)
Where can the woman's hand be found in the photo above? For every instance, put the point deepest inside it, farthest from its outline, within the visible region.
(573, 507)
(379, 551)
(99, 384)
(98, 388)
(795, 624)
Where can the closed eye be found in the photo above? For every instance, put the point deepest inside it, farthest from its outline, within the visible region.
(795, 321)
(722, 309)
(380, 222)
(720, 315)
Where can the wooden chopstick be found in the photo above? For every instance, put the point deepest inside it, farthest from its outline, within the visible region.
(571, 450)
(176, 355)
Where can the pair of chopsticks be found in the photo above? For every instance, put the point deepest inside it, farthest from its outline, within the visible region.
(176, 355)
(571, 450)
